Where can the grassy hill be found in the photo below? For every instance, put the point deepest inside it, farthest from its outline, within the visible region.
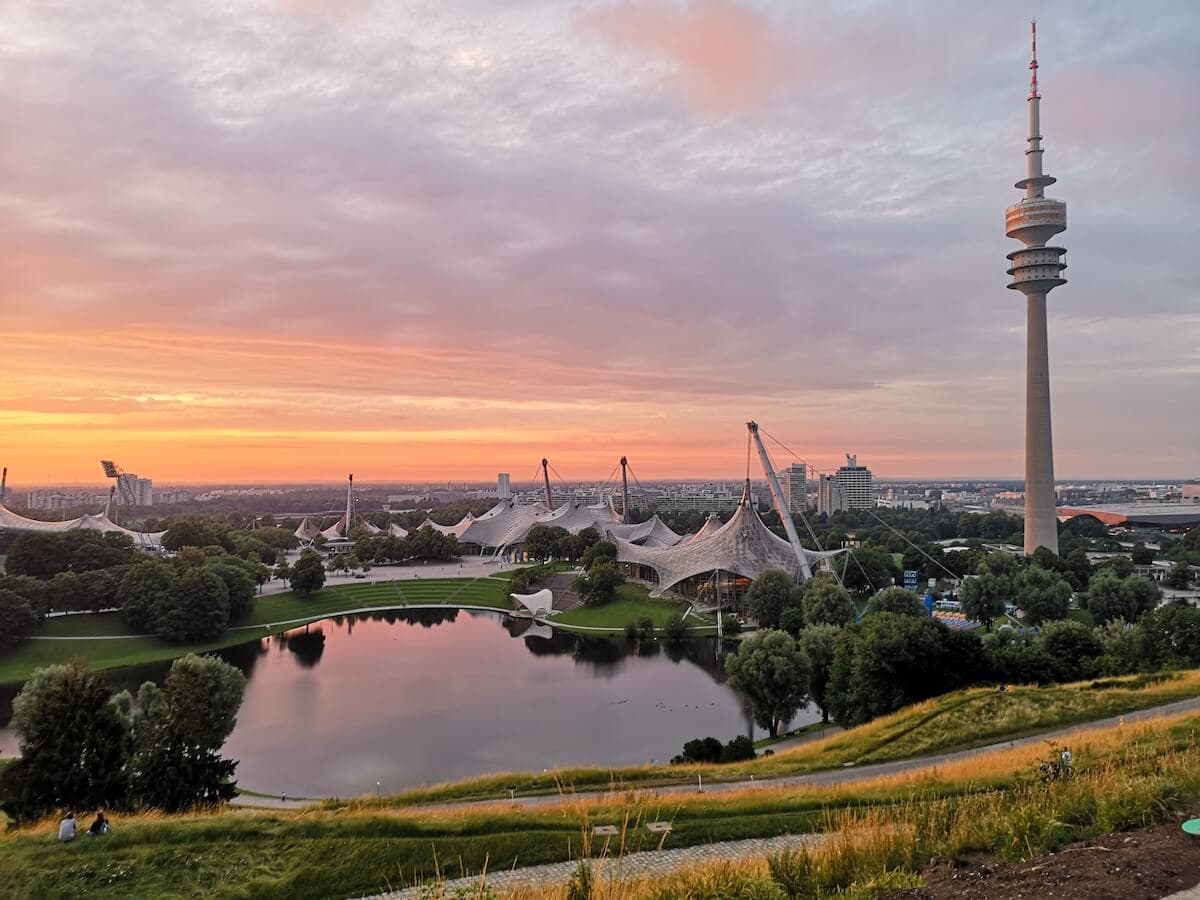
(880, 829)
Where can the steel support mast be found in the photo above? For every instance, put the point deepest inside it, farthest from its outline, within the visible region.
(625, 517)
(780, 504)
(546, 482)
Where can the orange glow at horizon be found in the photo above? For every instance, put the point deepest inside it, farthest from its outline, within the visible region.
(183, 413)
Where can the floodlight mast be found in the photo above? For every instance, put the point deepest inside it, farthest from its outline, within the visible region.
(780, 504)
(128, 497)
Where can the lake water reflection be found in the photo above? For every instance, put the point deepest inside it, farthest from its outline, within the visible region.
(429, 695)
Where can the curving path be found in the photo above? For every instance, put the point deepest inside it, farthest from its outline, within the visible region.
(843, 775)
(624, 868)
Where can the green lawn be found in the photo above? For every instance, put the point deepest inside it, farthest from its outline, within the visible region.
(283, 608)
(632, 603)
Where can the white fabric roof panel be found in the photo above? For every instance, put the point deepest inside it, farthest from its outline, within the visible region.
(654, 532)
(11, 521)
(743, 545)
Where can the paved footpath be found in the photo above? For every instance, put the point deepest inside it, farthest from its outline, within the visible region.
(843, 775)
(626, 868)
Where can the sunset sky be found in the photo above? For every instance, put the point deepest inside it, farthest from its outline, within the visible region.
(279, 240)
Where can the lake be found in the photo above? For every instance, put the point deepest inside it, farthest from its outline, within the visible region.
(421, 696)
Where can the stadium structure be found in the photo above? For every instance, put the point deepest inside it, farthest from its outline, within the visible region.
(101, 521)
(718, 561)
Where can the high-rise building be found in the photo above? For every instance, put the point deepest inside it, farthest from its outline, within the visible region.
(829, 495)
(855, 483)
(141, 489)
(1037, 269)
(794, 482)
(503, 487)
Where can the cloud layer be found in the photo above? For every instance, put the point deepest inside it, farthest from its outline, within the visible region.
(253, 239)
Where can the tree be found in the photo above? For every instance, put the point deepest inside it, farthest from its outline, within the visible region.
(869, 569)
(1112, 597)
(74, 740)
(179, 732)
(792, 620)
(770, 595)
(18, 621)
(1044, 595)
(238, 583)
(896, 600)
(30, 589)
(196, 532)
(68, 592)
(816, 643)
(144, 588)
(545, 541)
(197, 609)
(308, 574)
(772, 672)
(826, 601)
(598, 551)
(599, 584)
(1073, 646)
(34, 554)
(1123, 650)
(1171, 635)
(984, 596)
(675, 629)
(1180, 576)
(888, 661)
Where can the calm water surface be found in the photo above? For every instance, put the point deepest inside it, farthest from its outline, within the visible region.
(425, 696)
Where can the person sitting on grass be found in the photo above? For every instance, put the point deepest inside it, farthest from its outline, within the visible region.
(66, 828)
(99, 827)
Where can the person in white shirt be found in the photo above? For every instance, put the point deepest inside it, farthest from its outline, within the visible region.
(66, 828)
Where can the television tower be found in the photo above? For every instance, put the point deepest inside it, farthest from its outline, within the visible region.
(1036, 270)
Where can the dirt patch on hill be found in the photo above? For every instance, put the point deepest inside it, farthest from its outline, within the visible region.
(1138, 865)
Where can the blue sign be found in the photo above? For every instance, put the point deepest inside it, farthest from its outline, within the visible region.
(911, 579)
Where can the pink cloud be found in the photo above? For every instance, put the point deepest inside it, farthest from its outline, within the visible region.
(726, 57)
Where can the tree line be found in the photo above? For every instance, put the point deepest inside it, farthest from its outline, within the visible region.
(814, 646)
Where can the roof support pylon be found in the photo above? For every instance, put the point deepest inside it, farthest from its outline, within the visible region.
(546, 482)
(626, 518)
(781, 507)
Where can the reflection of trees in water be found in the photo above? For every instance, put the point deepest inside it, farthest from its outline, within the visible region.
(606, 656)
(308, 645)
(426, 618)
(244, 656)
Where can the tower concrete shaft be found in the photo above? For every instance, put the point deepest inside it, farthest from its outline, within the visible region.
(1036, 270)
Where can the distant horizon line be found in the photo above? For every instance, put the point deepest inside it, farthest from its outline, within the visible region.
(476, 483)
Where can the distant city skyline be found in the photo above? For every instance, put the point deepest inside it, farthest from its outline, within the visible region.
(270, 241)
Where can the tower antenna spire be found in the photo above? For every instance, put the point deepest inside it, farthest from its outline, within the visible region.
(1033, 65)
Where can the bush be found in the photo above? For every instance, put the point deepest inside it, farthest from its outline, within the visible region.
(731, 625)
(646, 625)
(632, 632)
(739, 749)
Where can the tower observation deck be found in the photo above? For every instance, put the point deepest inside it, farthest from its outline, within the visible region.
(1036, 270)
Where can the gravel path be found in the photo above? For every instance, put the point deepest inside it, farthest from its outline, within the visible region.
(631, 866)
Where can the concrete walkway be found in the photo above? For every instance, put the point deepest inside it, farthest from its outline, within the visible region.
(627, 868)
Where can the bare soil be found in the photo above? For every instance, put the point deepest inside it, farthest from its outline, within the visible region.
(1138, 865)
